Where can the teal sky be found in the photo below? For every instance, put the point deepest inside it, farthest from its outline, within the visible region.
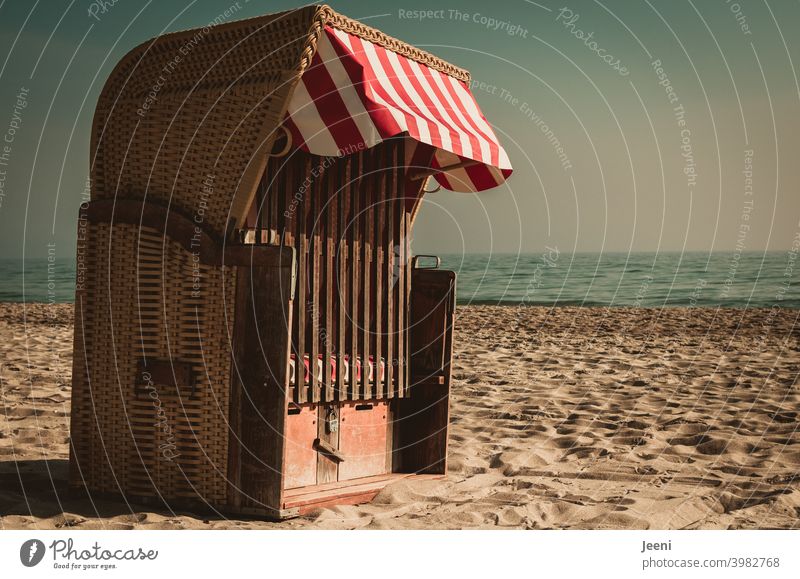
(620, 182)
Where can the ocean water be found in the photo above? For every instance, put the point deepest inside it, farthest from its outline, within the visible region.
(637, 279)
(37, 280)
(547, 278)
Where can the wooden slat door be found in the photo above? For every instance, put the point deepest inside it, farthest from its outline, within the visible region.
(348, 222)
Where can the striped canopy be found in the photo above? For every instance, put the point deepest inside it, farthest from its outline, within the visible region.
(355, 94)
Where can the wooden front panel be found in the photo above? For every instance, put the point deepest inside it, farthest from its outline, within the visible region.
(421, 420)
(430, 339)
(362, 439)
(260, 382)
(300, 459)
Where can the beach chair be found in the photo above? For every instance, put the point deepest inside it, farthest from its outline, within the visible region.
(252, 335)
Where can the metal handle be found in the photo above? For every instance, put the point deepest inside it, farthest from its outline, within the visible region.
(286, 148)
(324, 448)
(416, 258)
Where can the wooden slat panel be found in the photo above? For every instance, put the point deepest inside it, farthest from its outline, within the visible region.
(390, 192)
(328, 469)
(286, 223)
(352, 246)
(317, 194)
(257, 208)
(274, 196)
(379, 186)
(407, 300)
(400, 285)
(301, 244)
(329, 217)
(287, 216)
(368, 226)
(355, 265)
(342, 326)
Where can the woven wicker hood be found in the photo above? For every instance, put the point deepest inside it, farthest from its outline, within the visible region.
(187, 118)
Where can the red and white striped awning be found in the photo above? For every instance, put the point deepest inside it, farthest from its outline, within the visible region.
(355, 94)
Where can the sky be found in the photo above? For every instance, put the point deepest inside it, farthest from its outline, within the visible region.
(632, 126)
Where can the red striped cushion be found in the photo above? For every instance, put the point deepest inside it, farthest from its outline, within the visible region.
(334, 372)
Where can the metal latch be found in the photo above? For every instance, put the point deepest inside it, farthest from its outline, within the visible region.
(327, 449)
(332, 421)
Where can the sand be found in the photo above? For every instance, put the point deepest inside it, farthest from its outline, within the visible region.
(580, 418)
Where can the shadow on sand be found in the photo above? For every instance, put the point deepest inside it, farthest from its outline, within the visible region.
(38, 488)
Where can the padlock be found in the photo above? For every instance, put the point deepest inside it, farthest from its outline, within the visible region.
(332, 421)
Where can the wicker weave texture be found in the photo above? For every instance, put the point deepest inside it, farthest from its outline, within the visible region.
(151, 300)
(196, 105)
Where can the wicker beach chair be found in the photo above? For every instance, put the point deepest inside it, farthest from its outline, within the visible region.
(251, 332)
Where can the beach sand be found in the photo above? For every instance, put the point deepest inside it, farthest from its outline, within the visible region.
(581, 418)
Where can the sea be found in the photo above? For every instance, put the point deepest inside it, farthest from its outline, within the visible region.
(549, 278)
